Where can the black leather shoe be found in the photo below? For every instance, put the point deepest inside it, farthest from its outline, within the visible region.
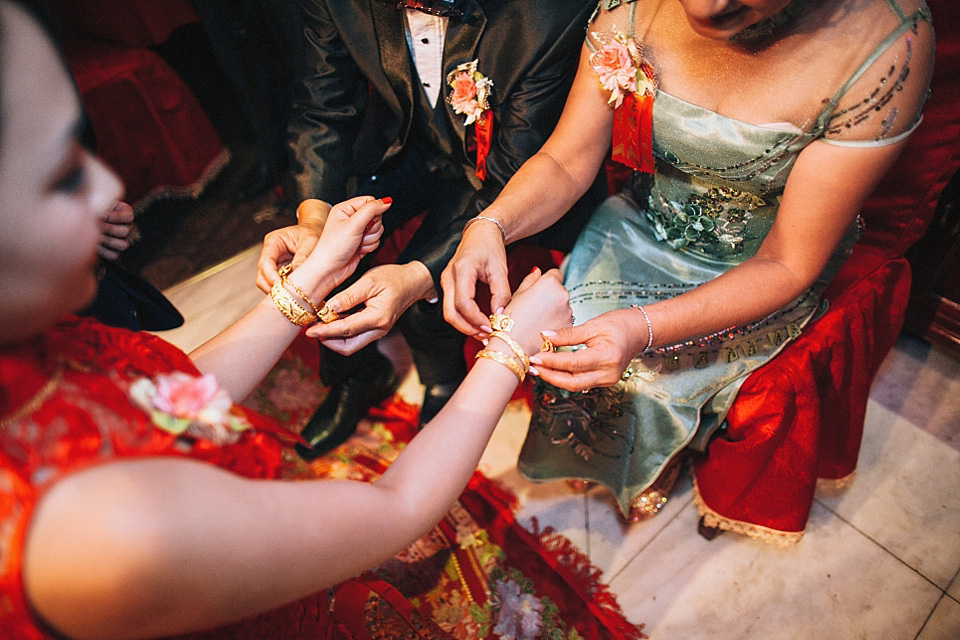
(434, 398)
(337, 417)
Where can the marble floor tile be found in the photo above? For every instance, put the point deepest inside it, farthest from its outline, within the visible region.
(944, 622)
(905, 495)
(836, 584)
(954, 590)
(214, 299)
(921, 383)
(614, 543)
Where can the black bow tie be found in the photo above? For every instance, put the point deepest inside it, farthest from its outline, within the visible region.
(442, 8)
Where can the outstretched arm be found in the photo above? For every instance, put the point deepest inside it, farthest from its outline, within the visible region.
(166, 546)
(825, 191)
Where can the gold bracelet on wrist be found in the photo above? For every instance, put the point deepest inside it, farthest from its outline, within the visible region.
(283, 272)
(514, 346)
(508, 361)
(289, 307)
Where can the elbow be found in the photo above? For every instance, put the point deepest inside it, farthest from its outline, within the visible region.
(95, 574)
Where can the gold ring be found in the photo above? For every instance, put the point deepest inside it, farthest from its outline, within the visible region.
(547, 344)
(327, 315)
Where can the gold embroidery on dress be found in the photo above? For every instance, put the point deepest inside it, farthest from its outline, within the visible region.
(34, 403)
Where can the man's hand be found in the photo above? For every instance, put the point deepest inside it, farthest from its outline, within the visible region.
(291, 244)
(482, 257)
(385, 292)
(115, 231)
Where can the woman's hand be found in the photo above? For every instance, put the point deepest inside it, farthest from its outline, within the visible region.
(540, 303)
(611, 341)
(481, 256)
(352, 230)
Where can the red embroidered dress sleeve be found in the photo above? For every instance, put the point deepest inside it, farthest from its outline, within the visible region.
(65, 404)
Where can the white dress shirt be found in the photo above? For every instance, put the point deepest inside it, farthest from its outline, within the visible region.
(425, 34)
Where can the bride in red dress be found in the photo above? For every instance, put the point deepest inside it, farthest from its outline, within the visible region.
(138, 500)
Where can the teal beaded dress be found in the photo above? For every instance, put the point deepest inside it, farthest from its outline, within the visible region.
(708, 207)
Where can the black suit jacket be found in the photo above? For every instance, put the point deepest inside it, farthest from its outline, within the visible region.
(356, 109)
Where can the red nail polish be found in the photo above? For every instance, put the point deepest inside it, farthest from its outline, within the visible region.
(386, 200)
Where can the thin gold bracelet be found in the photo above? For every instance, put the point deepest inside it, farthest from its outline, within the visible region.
(508, 361)
(283, 273)
(514, 346)
(289, 307)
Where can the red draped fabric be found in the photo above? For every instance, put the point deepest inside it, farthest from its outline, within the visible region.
(135, 23)
(148, 125)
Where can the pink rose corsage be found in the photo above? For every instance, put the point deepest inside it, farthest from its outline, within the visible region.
(622, 71)
(183, 404)
(470, 97)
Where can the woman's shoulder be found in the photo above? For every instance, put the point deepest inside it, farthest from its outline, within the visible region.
(884, 92)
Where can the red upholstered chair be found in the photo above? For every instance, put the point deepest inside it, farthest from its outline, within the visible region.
(148, 125)
(800, 418)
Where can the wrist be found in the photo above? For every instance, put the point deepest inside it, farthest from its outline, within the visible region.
(421, 281)
(487, 220)
(312, 213)
(648, 326)
(308, 284)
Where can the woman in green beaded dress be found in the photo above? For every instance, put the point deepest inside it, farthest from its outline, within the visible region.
(755, 129)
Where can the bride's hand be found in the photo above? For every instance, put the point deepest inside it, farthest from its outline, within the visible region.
(353, 228)
(540, 303)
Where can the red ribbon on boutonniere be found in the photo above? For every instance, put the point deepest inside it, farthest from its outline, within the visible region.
(470, 96)
(629, 79)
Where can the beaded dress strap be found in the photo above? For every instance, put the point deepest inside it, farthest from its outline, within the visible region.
(922, 13)
(612, 4)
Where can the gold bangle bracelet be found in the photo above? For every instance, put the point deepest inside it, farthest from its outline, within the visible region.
(283, 272)
(289, 307)
(503, 359)
(514, 346)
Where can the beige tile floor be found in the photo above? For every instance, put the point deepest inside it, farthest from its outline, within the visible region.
(879, 561)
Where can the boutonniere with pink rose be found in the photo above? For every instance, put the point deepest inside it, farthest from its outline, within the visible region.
(183, 404)
(622, 71)
(469, 96)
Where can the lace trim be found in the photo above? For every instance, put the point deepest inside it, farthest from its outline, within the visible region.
(831, 486)
(711, 518)
(191, 191)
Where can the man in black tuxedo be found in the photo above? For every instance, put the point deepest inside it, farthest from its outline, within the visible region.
(377, 117)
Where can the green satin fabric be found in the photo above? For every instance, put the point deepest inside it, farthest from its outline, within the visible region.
(653, 242)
